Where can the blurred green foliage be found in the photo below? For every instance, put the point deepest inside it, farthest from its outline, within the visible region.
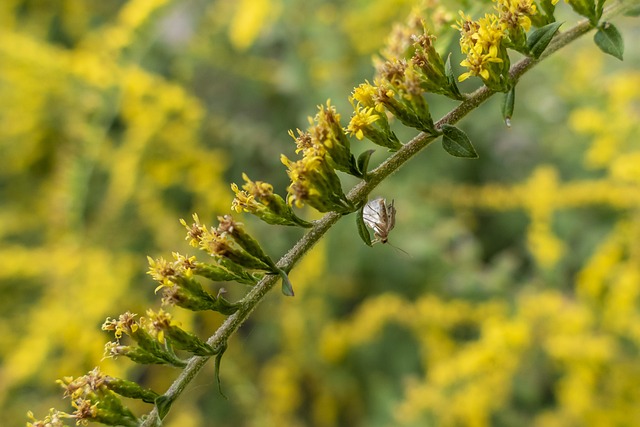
(519, 301)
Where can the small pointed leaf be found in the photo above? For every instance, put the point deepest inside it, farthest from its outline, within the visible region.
(287, 287)
(363, 162)
(507, 106)
(609, 40)
(540, 38)
(362, 228)
(163, 403)
(451, 78)
(599, 8)
(456, 143)
(353, 168)
(217, 368)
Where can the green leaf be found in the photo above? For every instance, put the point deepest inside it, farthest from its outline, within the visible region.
(609, 40)
(287, 287)
(363, 162)
(599, 8)
(456, 143)
(362, 228)
(223, 348)
(353, 168)
(540, 38)
(163, 403)
(507, 106)
(451, 79)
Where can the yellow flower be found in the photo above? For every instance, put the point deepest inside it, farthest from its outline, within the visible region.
(363, 118)
(161, 271)
(243, 201)
(125, 324)
(365, 95)
(487, 57)
(516, 13)
(195, 231)
(314, 181)
(478, 65)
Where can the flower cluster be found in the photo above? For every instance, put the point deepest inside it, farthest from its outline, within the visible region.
(258, 198)
(487, 58)
(370, 119)
(325, 148)
(485, 41)
(148, 349)
(406, 72)
(238, 257)
(179, 287)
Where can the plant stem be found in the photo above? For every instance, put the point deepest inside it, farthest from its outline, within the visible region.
(358, 193)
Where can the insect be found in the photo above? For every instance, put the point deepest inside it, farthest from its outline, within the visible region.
(380, 217)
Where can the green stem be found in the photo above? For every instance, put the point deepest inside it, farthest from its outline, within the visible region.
(359, 193)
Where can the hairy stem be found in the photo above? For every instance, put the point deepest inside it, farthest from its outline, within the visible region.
(358, 193)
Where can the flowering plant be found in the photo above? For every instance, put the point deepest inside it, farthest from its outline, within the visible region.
(407, 70)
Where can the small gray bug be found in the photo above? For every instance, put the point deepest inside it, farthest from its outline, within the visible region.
(380, 217)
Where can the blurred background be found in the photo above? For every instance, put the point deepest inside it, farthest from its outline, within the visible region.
(518, 302)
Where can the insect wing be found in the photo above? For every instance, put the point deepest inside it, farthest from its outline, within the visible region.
(391, 217)
(380, 218)
(374, 214)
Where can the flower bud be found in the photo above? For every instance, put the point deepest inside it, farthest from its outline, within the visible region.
(314, 182)
(219, 246)
(329, 134)
(236, 230)
(188, 294)
(407, 105)
(130, 389)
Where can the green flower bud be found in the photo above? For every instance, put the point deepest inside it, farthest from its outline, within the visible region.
(410, 108)
(314, 182)
(112, 415)
(139, 355)
(219, 274)
(130, 389)
(236, 230)
(188, 293)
